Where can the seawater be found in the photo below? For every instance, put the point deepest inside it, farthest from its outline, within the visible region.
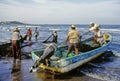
(107, 68)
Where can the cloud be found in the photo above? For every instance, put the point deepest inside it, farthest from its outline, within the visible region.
(60, 11)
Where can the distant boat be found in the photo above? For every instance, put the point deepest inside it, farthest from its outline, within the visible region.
(61, 63)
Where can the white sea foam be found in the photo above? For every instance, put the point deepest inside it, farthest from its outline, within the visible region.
(102, 29)
(116, 53)
(102, 74)
(111, 30)
(54, 29)
(31, 26)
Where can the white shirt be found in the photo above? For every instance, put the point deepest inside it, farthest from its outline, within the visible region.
(93, 28)
(98, 33)
(15, 36)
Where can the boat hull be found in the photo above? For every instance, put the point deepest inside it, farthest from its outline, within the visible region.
(70, 63)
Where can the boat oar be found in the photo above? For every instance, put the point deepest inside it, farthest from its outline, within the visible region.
(46, 39)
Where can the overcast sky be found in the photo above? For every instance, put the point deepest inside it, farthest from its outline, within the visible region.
(61, 11)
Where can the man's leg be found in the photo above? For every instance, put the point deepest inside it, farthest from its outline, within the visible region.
(69, 48)
(76, 48)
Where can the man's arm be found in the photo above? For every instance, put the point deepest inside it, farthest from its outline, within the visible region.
(86, 32)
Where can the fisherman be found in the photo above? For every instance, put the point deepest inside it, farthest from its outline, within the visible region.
(45, 58)
(73, 38)
(54, 37)
(16, 50)
(97, 32)
(97, 36)
(36, 33)
(54, 33)
(29, 34)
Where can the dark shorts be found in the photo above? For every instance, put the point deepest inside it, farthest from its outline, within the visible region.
(72, 46)
(16, 49)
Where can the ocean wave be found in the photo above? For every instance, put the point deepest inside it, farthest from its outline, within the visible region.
(116, 53)
(111, 30)
(54, 29)
(115, 47)
(101, 74)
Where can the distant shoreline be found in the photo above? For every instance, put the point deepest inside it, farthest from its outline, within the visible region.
(11, 22)
(21, 23)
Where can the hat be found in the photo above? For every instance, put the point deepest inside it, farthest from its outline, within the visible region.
(16, 29)
(73, 26)
(97, 25)
(91, 22)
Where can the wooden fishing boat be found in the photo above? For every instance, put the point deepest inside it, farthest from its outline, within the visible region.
(62, 63)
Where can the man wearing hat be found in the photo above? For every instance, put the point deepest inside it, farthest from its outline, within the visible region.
(15, 44)
(92, 27)
(73, 38)
(95, 28)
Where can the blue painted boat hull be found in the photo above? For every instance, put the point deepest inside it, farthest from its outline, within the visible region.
(66, 64)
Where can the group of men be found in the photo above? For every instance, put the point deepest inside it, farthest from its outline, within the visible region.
(17, 38)
(74, 40)
(73, 37)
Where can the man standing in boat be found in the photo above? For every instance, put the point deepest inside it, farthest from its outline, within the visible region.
(97, 33)
(73, 38)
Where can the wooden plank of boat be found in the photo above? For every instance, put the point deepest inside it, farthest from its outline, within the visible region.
(68, 63)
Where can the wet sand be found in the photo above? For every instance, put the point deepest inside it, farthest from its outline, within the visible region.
(11, 70)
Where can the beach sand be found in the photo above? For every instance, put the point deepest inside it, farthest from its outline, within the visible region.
(19, 71)
(16, 70)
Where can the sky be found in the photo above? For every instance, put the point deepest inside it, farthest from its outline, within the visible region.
(61, 11)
